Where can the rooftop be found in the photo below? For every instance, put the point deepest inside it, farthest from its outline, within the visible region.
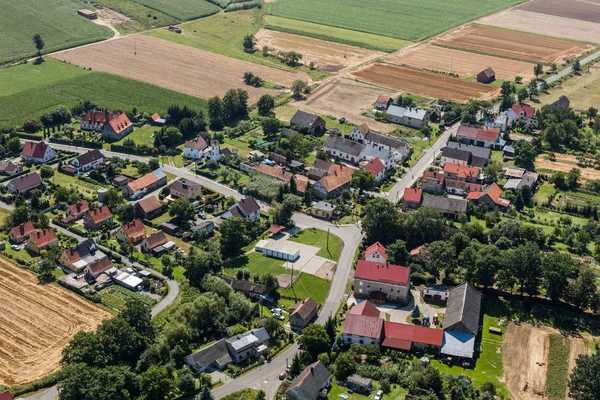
(394, 331)
(412, 195)
(365, 308)
(379, 272)
(100, 214)
(376, 247)
(363, 325)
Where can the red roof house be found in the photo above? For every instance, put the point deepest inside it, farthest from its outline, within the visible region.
(20, 233)
(412, 199)
(404, 336)
(376, 168)
(362, 329)
(78, 209)
(96, 219)
(42, 240)
(381, 282)
(132, 232)
(365, 308)
(486, 137)
(37, 152)
(381, 272)
(490, 195)
(375, 252)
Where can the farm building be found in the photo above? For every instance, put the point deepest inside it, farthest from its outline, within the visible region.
(461, 322)
(89, 14)
(409, 337)
(37, 152)
(562, 101)
(363, 134)
(481, 137)
(436, 292)
(275, 249)
(490, 196)
(433, 182)
(157, 120)
(129, 281)
(450, 208)
(381, 282)
(486, 76)
(308, 123)
(528, 179)
(113, 126)
(337, 179)
(149, 207)
(383, 102)
(478, 156)
(302, 313)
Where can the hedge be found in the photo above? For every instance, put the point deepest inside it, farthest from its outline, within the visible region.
(138, 150)
(78, 143)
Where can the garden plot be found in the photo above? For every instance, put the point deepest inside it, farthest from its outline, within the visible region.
(564, 163)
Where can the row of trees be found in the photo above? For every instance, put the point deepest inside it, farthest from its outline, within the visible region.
(233, 105)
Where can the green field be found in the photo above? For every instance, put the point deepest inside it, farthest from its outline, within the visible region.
(333, 34)
(404, 19)
(141, 16)
(318, 238)
(558, 367)
(181, 9)
(55, 20)
(23, 96)
(143, 135)
(308, 286)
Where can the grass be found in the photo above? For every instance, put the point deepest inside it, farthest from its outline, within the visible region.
(141, 16)
(308, 286)
(318, 238)
(256, 264)
(544, 191)
(143, 135)
(402, 19)
(182, 9)
(333, 34)
(581, 97)
(115, 297)
(558, 367)
(85, 188)
(56, 21)
(23, 94)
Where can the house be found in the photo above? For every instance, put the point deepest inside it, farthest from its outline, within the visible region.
(78, 210)
(381, 282)
(245, 208)
(203, 228)
(215, 355)
(214, 151)
(184, 189)
(412, 198)
(486, 76)
(461, 321)
(459, 153)
(117, 128)
(362, 329)
(482, 137)
(293, 165)
(120, 181)
(437, 293)
(96, 219)
(365, 308)
(248, 288)
(363, 134)
(251, 344)
(37, 152)
(528, 179)
(42, 240)
(154, 243)
(157, 120)
(88, 161)
(523, 113)
(302, 313)
(96, 120)
(21, 233)
(169, 228)
(490, 195)
(376, 168)
(323, 209)
(562, 101)
(408, 116)
(345, 149)
(86, 258)
(132, 232)
(308, 123)
(24, 183)
(146, 184)
(331, 185)
(194, 149)
(433, 182)
(149, 207)
(10, 168)
(462, 179)
(310, 383)
(448, 207)
(375, 253)
(508, 152)
(383, 102)
(274, 171)
(359, 384)
(408, 337)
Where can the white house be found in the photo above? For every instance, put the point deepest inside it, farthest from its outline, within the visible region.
(524, 113)
(384, 154)
(376, 168)
(37, 152)
(88, 161)
(214, 151)
(245, 208)
(411, 116)
(194, 148)
(376, 253)
(356, 152)
(363, 134)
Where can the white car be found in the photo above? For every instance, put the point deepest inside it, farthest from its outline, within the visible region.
(379, 395)
(15, 247)
(279, 317)
(276, 311)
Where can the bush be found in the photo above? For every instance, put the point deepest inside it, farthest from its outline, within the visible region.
(32, 125)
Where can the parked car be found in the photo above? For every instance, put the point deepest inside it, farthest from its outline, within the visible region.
(15, 247)
(379, 395)
(279, 317)
(282, 376)
(276, 310)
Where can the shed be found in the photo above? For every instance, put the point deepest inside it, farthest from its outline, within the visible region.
(486, 76)
(359, 383)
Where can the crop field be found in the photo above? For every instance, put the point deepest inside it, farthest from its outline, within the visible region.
(545, 24)
(564, 163)
(460, 62)
(506, 43)
(140, 16)
(329, 56)
(55, 20)
(582, 98)
(333, 34)
(425, 83)
(585, 10)
(403, 19)
(30, 90)
(182, 9)
(37, 322)
(177, 67)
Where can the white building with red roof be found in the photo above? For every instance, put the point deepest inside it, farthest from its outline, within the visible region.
(113, 126)
(362, 329)
(194, 149)
(480, 136)
(42, 240)
(97, 218)
(524, 113)
(381, 282)
(37, 152)
(376, 253)
(376, 168)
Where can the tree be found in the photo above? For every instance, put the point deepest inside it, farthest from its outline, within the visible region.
(576, 66)
(314, 340)
(138, 316)
(14, 145)
(298, 87)
(522, 95)
(112, 198)
(573, 178)
(584, 383)
(293, 186)
(84, 348)
(397, 253)
(205, 394)
(234, 236)
(559, 179)
(182, 210)
(46, 171)
(187, 382)
(122, 344)
(557, 270)
(415, 313)
(524, 263)
(270, 126)
(197, 266)
(282, 213)
(39, 44)
(492, 171)
(363, 179)
(78, 381)
(265, 104)
(380, 222)
(125, 212)
(525, 155)
(344, 366)
(19, 215)
(156, 383)
(582, 290)
(46, 268)
(591, 113)
(538, 69)
(532, 89)
(295, 366)
(215, 112)
(248, 43)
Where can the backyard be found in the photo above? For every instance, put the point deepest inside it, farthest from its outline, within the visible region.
(330, 245)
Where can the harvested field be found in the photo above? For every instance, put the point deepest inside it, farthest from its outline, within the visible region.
(581, 97)
(459, 62)
(174, 66)
(564, 163)
(426, 83)
(37, 322)
(583, 10)
(544, 24)
(328, 56)
(501, 42)
(347, 98)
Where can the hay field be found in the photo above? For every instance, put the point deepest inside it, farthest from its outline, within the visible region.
(582, 90)
(37, 322)
(174, 66)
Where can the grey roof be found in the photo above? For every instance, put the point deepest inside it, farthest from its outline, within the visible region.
(489, 72)
(344, 145)
(411, 112)
(562, 101)
(239, 342)
(456, 154)
(323, 205)
(159, 174)
(312, 379)
(202, 226)
(359, 379)
(509, 149)
(445, 204)
(390, 141)
(463, 310)
(26, 181)
(322, 164)
(512, 184)
(458, 344)
(287, 132)
(89, 157)
(207, 356)
(245, 286)
(248, 205)
(380, 152)
(529, 179)
(304, 119)
(476, 151)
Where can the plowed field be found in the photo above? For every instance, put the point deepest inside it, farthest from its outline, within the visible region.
(37, 322)
(585, 10)
(460, 62)
(506, 43)
(174, 66)
(426, 83)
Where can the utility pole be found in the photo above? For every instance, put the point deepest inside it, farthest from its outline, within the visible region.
(451, 63)
(327, 238)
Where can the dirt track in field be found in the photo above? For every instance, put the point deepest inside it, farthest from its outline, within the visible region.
(426, 83)
(436, 58)
(586, 10)
(328, 56)
(565, 163)
(544, 24)
(174, 66)
(37, 322)
(506, 43)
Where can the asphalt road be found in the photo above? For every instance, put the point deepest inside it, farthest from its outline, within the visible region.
(568, 70)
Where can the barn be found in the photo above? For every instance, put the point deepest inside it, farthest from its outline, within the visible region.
(486, 76)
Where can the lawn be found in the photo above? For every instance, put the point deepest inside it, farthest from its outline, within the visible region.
(55, 20)
(333, 34)
(256, 264)
(558, 367)
(23, 94)
(115, 297)
(143, 135)
(544, 191)
(318, 238)
(85, 188)
(182, 9)
(308, 286)
(142, 17)
(403, 19)
(582, 90)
